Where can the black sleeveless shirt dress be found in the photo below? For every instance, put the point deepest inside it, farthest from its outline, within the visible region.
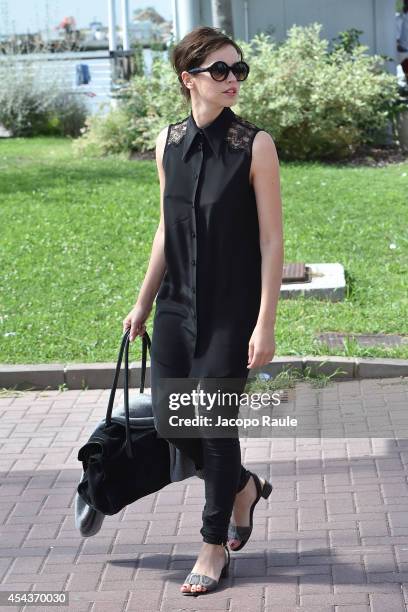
(208, 302)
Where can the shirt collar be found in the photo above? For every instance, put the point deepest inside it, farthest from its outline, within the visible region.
(214, 132)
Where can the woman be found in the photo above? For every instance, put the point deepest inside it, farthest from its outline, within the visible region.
(216, 264)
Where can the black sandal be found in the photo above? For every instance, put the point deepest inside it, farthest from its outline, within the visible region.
(235, 532)
(209, 583)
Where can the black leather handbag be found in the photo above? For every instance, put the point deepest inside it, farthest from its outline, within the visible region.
(124, 459)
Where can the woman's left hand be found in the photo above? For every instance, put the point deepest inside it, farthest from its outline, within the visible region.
(261, 348)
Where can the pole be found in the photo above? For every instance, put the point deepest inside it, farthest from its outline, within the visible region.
(112, 25)
(125, 25)
(112, 44)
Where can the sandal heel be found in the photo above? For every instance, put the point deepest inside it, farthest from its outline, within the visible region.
(266, 490)
(244, 533)
(225, 569)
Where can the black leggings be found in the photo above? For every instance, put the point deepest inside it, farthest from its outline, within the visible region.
(219, 458)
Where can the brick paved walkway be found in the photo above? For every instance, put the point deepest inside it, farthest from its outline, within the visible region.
(333, 535)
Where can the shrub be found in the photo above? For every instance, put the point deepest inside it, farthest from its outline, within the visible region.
(66, 114)
(150, 102)
(104, 134)
(30, 106)
(315, 102)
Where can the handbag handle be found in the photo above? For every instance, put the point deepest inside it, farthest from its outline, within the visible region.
(124, 347)
(145, 343)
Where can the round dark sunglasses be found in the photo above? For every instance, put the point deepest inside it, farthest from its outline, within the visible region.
(220, 70)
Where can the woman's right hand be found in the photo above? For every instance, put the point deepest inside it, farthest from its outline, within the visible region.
(136, 320)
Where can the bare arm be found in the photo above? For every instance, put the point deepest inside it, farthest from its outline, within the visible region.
(265, 178)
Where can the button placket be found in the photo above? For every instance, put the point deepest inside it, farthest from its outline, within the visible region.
(194, 230)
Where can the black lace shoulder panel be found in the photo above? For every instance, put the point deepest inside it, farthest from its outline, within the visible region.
(176, 132)
(241, 134)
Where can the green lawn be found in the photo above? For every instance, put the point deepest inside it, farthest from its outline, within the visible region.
(76, 237)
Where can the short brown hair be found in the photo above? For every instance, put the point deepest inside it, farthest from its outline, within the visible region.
(192, 50)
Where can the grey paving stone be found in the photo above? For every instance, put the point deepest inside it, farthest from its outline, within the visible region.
(332, 536)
